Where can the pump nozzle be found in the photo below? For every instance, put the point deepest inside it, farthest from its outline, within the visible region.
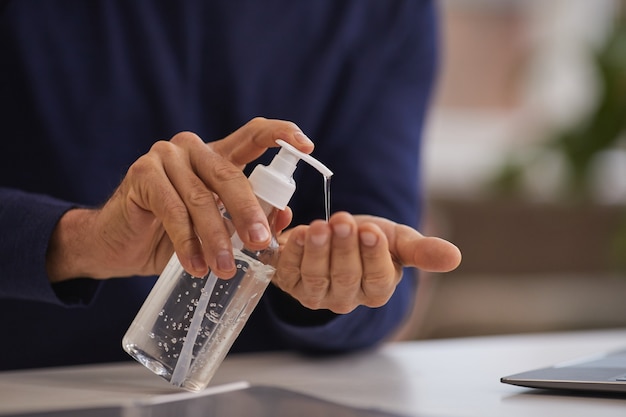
(288, 150)
(274, 183)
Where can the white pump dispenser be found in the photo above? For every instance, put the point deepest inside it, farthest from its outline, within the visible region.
(187, 325)
(274, 183)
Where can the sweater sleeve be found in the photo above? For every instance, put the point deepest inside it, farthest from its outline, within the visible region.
(27, 221)
(327, 333)
(372, 143)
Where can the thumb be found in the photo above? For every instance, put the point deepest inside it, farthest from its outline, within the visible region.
(252, 139)
(431, 254)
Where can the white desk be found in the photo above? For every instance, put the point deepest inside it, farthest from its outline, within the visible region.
(453, 377)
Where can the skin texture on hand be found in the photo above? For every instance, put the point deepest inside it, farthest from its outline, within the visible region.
(168, 202)
(355, 260)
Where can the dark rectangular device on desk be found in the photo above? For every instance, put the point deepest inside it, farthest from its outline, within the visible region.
(605, 372)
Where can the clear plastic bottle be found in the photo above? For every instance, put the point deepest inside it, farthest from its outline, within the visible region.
(188, 324)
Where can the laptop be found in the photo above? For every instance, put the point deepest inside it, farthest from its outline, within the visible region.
(605, 372)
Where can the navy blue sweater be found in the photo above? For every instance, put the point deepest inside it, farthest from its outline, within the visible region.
(87, 86)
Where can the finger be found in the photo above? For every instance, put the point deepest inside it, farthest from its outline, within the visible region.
(282, 219)
(380, 275)
(287, 275)
(411, 248)
(427, 253)
(223, 178)
(150, 189)
(255, 137)
(315, 280)
(345, 268)
(224, 174)
(199, 202)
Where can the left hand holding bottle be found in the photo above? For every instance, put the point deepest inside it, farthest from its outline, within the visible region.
(354, 260)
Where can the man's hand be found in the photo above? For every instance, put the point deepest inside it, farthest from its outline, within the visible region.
(355, 260)
(168, 201)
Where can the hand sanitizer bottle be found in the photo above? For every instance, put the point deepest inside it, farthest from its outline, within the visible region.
(188, 324)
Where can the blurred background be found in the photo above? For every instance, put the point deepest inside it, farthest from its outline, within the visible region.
(525, 168)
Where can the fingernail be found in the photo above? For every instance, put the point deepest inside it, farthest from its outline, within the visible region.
(319, 240)
(368, 238)
(302, 138)
(225, 261)
(258, 233)
(342, 230)
(197, 261)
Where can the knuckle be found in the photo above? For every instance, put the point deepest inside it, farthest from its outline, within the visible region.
(142, 167)
(245, 211)
(200, 197)
(285, 128)
(183, 137)
(219, 242)
(175, 209)
(255, 121)
(315, 283)
(162, 147)
(186, 243)
(312, 303)
(343, 307)
(378, 279)
(379, 300)
(287, 275)
(225, 172)
(291, 125)
(345, 278)
(377, 290)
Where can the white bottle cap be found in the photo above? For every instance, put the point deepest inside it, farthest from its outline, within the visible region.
(274, 183)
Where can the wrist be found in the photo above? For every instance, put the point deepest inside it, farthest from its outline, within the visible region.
(69, 251)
